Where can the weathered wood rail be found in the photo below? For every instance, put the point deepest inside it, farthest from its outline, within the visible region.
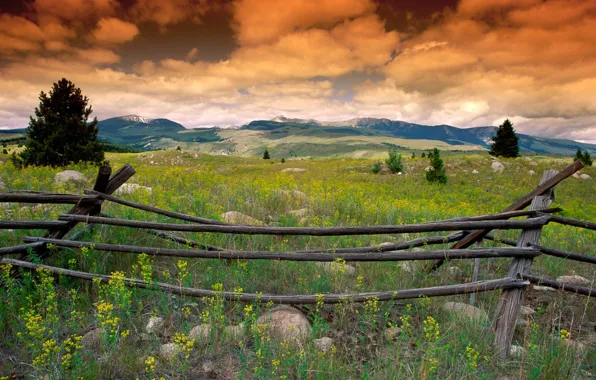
(468, 230)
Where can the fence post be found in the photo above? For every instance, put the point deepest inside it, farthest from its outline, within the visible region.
(511, 299)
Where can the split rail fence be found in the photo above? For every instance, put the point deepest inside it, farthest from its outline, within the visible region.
(466, 231)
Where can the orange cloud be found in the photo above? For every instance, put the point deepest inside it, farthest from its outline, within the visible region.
(75, 10)
(165, 13)
(114, 31)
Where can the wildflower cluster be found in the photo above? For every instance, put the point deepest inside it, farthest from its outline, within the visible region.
(472, 355)
(183, 274)
(431, 329)
(214, 311)
(145, 267)
(185, 343)
(564, 334)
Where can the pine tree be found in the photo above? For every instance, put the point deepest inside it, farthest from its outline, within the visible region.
(394, 161)
(586, 158)
(413, 155)
(437, 172)
(60, 134)
(505, 141)
(578, 155)
(266, 155)
(423, 155)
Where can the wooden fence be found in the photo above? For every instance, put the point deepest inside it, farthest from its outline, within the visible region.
(469, 230)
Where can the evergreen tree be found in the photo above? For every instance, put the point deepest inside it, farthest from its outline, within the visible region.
(60, 134)
(578, 155)
(505, 141)
(423, 155)
(413, 155)
(394, 161)
(437, 172)
(584, 157)
(266, 155)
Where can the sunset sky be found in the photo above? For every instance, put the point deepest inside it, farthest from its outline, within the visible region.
(205, 62)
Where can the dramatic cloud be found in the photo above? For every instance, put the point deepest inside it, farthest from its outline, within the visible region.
(169, 12)
(114, 31)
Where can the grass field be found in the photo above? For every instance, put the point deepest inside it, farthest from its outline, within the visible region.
(41, 320)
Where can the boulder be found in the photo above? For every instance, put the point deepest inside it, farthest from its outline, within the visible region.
(527, 311)
(428, 168)
(69, 176)
(324, 344)
(399, 173)
(168, 351)
(516, 351)
(541, 288)
(575, 280)
(292, 195)
(301, 213)
(200, 333)
(532, 163)
(92, 340)
(584, 176)
(384, 171)
(234, 334)
(474, 171)
(531, 172)
(286, 323)
(464, 310)
(240, 218)
(497, 167)
(155, 325)
(575, 175)
(293, 170)
(129, 188)
(337, 268)
(391, 333)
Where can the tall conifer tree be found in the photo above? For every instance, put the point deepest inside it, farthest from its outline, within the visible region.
(505, 141)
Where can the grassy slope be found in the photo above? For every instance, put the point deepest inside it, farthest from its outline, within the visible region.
(340, 192)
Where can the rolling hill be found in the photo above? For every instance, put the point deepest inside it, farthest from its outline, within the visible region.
(285, 137)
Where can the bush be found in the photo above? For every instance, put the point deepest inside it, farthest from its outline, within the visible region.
(394, 161)
(437, 171)
(266, 155)
(377, 167)
(584, 157)
(4, 151)
(283, 160)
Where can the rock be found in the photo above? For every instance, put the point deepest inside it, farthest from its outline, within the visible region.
(384, 171)
(428, 168)
(575, 280)
(92, 340)
(474, 171)
(497, 167)
(293, 170)
(200, 333)
(541, 288)
(575, 175)
(399, 173)
(209, 367)
(516, 351)
(584, 176)
(301, 213)
(391, 333)
(303, 222)
(292, 195)
(286, 323)
(407, 266)
(2, 186)
(240, 218)
(324, 344)
(69, 176)
(531, 172)
(129, 188)
(526, 311)
(454, 271)
(532, 163)
(154, 325)
(465, 310)
(337, 268)
(234, 333)
(386, 243)
(168, 351)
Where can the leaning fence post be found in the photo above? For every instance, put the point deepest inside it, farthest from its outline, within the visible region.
(511, 299)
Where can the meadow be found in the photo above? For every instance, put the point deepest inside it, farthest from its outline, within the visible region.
(42, 320)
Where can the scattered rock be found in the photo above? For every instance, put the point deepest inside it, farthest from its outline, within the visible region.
(92, 340)
(541, 288)
(240, 218)
(532, 163)
(575, 280)
(531, 172)
(407, 266)
(527, 311)
(294, 170)
(391, 333)
(497, 167)
(575, 175)
(324, 344)
(454, 271)
(168, 351)
(286, 323)
(474, 171)
(70, 176)
(234, 333)
(428, 168)
(301, 213)
(516, 351)
(384, 171)
(399, 173)
(129, 188)
(337, 268)
(200, 333)
(465, 310)
(2, 186)
(292, 195)
(154, 325)
(584, 176)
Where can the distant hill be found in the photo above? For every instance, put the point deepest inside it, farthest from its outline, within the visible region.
(286, 137)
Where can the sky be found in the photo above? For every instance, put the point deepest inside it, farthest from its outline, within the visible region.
(206, 63)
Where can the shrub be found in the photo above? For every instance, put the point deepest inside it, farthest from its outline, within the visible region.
(377, 167)
(394, 161)
(4, 151)
(584, 157)
(437, 171)
(266, 155)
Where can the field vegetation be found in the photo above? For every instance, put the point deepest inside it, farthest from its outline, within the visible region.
(42, 320)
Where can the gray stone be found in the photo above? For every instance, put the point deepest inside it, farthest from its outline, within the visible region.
(92, 340)
(154, 325)
(541, 288)
(337, 268)
(465, 310)
(324, 344)
(168, 351)
(531, 172)
(454, 271)
(575, 280)
(300, 213)
(384, 171)
(69, 176)
(240, 218)
(201, 333)
(474, 171)
(516, 351)
(391, 333)
(129, 188)
(526, 311)
(584, 176)
(293, 170)
(497, 167)
(286, 323)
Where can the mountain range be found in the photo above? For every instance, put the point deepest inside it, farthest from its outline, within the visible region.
(286, 137)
